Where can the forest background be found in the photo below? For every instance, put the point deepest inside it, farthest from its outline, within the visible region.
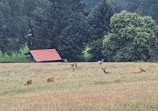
(80, 30)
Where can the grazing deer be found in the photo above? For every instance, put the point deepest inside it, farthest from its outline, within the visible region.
(65, 60)
(105, 72)
(100, 62)
(141, 70)
(29, 82)
(73, 66)
(50, 79)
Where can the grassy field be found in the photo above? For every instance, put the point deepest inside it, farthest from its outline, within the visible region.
(85, 89)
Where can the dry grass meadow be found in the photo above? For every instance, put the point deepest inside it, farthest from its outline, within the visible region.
(85, 89)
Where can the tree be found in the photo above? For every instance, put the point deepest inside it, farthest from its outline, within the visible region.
(74, 37)
(132, 38)
(99, 19)
(133, 5)
(90, 4)
(142, 7)
(36, 14)
(149, 7)
(60, 25)
(119, 5)
(95, 51)
(13, 26)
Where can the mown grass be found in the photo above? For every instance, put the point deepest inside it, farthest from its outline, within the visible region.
(85, 89)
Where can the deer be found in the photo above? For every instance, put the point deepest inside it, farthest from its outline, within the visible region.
(65, 60)
(73, 66)
(100, 62)
(29, 82)
(105, 72)
(50, 79)
(141, 70)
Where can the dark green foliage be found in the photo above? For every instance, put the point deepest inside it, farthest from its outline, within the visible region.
(142, 7)
(35, 11)
(133, 5)
(90, 4)
(96, 48)
(60, 25)
(150, 8)
(131, 39)
(13, 26)
(99, 19)
(73, 37)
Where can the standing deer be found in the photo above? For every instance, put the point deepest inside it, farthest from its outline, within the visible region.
(73, 66)
(105, 72)
(141, 70)
(100, 62)
(65, 60)
(50, 79)
(29, 82)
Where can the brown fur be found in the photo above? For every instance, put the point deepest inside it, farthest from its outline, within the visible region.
(29, 82)
(141, 70)
(50, 79)
(105, 72)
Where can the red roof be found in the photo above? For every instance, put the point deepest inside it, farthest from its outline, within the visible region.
(45, 55)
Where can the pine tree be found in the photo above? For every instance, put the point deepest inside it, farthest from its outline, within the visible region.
(99, 19)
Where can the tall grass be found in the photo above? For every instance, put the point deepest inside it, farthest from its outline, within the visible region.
(85, 89)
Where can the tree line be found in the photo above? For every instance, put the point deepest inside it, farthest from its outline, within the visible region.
(70, 26)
